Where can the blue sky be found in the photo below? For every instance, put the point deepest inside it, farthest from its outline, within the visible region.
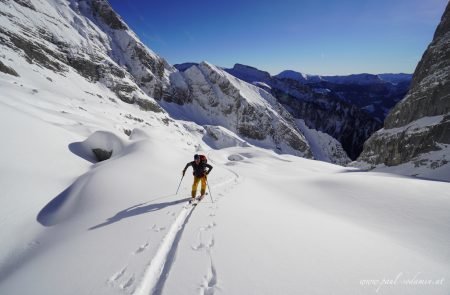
(310, 36)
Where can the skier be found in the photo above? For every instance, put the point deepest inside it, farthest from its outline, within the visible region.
(199, 166)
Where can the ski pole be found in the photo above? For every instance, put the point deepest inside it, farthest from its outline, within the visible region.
(179, 184)
(210, 195)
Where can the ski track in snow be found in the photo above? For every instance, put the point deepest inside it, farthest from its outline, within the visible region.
(210, 280)
(158, 270)
(115, 277)
(154, 276)
(141, 248)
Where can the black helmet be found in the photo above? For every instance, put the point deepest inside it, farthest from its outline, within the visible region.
(196, 156)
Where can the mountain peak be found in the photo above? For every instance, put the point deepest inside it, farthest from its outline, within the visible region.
(249, 73)
(105, 12)
(416, 131)
(298, 76)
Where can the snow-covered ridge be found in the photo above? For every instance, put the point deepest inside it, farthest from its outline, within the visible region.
(208, 95)
(87, 37)
(324, 147)
(91, 40)
(249, 74)
(301, 77)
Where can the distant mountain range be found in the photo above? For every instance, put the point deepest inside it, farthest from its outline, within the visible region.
(348, 108)
(358, 79)
(376, 94)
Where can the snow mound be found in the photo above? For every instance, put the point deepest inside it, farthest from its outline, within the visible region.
(101, 145)
(63, 206)
(235, 157)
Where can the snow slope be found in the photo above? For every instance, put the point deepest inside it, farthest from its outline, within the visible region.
(279, 224)
(324, 147)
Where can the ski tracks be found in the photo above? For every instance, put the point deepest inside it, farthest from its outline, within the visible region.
(158, 269)
(205, 234)
(205, 243)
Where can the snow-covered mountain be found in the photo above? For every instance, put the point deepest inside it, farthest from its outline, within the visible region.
(320, 106)
(87, 37)
(374, 94)
(300, 77)
(324, 147)
(416, 132)
(208, 95)
(90, 39)
(249, 74)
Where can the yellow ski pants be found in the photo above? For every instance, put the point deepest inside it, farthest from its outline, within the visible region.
(195, 185)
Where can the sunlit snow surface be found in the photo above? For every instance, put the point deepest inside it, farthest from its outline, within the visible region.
(279, 224)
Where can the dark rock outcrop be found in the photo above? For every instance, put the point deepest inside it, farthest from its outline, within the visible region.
(102, 155)
(7, 70)
(420, 123)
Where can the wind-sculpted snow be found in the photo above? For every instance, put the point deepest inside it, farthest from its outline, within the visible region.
(66, 203)
(119, 228)
(63, 206)
(99, 144)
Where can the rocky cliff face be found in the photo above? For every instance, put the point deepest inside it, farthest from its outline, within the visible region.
(209, 96)
(313, 100)
(418, 128)
(88, 37)
(341, 120)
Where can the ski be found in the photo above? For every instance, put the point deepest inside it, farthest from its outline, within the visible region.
(197, 200)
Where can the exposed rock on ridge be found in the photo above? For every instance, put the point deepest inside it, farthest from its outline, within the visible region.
(419, 125)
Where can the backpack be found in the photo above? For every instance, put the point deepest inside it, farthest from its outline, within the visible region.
(203, 159)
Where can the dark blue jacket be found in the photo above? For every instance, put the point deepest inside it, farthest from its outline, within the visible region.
(200, 169)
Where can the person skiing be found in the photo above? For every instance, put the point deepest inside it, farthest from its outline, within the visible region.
(200, 173)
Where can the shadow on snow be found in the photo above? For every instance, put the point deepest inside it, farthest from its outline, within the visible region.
(137, 210)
